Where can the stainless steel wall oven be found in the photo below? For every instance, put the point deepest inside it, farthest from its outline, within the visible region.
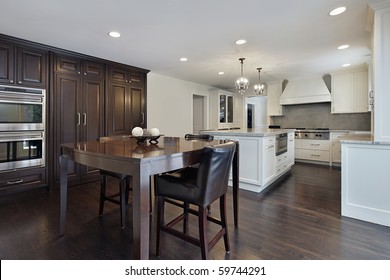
(281, 143)
(22, 127)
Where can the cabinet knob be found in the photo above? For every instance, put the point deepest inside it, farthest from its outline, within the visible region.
(85, 74)
(78, 72)
(20, 82)
(11, 81)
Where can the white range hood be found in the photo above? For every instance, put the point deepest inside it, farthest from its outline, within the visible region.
(312, 90)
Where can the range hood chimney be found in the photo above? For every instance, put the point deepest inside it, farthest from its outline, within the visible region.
(303, 91)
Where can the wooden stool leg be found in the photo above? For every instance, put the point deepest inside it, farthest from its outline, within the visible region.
(222, 208)
(202, 216)
(103, 184)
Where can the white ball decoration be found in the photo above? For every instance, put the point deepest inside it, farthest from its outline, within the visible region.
(154, 131)
(137, 131)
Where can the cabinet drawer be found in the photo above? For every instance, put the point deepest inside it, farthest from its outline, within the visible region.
(281, 167)
(322, 145)
(314, 155)
(281, 158)
(22, 179)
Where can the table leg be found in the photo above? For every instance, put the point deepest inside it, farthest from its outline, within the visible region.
(63, 192)
(141, 194)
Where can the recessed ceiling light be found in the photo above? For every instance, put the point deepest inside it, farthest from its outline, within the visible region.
(114, 34)
(183, 59)
(343, 47)
(337, 11)
(241, 42)
(221, 73)
(346, 65)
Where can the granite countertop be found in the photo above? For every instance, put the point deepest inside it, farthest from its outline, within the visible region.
(360, 138)
(248, 132)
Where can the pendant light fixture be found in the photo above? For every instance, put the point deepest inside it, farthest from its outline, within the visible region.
(259, 88)
(242, 83)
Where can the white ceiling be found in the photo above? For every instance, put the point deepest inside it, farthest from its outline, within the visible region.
(288, 39)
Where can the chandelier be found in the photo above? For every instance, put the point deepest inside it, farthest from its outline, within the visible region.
(259, 88)
(242, 83)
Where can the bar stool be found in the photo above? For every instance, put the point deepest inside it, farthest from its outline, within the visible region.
(197, 186)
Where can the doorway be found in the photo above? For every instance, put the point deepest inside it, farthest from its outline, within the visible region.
(198, 113)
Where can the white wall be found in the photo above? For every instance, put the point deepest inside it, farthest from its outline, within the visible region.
(169, 104)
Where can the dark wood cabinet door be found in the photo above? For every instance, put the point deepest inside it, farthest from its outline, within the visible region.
(6, 63)
(93, 69)
(118, 118)
(68, 120)
(118, 74)
(77, 66)
(92, 116)
(32, 67)
(68, 64)
(137, 108)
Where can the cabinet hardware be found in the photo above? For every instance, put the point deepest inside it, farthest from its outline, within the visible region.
(11, 81)
(313, 155)
(84, 118)
(19, 82)
(143, 118)
(78, 119)
(15, 182)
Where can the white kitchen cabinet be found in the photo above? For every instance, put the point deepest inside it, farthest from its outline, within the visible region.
(274, 91)
(336, 146)
(381, 72)
(350, 92)
(268, 160)
(312, 150)
(222, 109)
(290, 149)
(365, 177)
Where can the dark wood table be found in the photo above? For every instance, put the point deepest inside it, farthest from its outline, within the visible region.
(124, 155)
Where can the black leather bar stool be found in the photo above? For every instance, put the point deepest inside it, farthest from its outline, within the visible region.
(197, 186)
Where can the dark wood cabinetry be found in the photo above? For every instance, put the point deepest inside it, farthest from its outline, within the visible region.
(126, 100)
(87, 97)
(21, 180)
(79, 111)
(23, 66)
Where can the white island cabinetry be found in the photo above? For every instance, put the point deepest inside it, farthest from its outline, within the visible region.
(259, 165)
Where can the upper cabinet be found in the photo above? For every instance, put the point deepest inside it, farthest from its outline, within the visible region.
(23, 66)
(77, 66)
(350, 92)
(274, 91)
(126, 75)
(126, 100)
(222, 109)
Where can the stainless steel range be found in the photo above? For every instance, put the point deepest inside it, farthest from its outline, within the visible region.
(312, 133)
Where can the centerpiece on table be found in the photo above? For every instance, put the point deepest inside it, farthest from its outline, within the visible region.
(143, 134)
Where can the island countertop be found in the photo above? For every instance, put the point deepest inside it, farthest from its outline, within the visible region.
(247, 132)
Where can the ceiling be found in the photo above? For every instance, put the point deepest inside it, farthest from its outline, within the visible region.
(288, 39)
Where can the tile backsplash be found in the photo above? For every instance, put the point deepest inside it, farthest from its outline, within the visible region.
(318, 115)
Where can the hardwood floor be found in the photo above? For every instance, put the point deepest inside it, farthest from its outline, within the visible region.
(297, 218)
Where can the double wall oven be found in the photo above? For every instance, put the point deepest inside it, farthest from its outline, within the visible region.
(22, 127)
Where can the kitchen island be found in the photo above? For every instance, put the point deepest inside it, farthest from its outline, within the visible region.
(265, 154)
(365, 177)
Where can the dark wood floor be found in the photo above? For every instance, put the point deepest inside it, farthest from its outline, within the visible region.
(297, 218)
